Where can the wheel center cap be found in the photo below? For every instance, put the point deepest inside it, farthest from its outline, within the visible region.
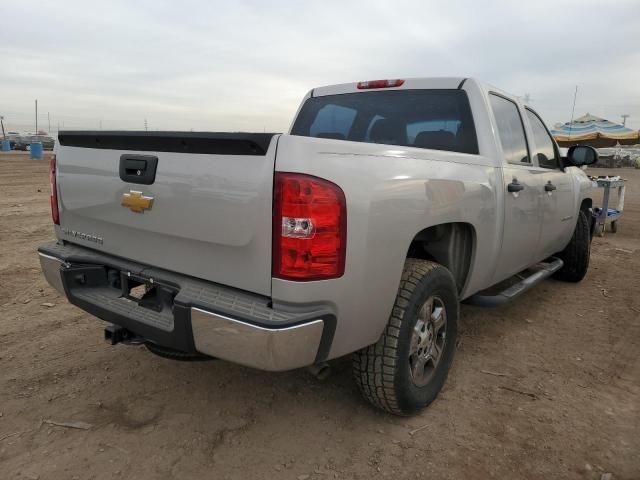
(427, 339)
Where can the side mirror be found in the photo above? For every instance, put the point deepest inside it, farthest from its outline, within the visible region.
(580, 155)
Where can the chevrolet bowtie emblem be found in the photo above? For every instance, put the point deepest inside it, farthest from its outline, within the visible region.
(136, 201)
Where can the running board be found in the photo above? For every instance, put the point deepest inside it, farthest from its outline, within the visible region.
(548, 268)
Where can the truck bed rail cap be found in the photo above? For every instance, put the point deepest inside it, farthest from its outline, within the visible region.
(218, 143)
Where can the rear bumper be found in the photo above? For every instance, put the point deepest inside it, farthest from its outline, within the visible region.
(190, 315)
(51, 267)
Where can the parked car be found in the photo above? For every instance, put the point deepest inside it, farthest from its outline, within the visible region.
(24, 142)
(359, 232)
(47, 142)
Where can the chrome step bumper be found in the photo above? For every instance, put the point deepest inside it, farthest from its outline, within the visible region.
(239, 342)
(207, 318)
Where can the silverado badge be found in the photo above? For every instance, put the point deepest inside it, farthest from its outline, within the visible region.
(136, 201)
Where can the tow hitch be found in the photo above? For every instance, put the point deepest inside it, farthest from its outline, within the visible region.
(114, 334)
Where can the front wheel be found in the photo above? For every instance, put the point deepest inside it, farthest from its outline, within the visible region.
(405, 370)
(576, 255)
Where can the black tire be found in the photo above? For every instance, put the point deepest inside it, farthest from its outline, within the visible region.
(576, 254)
(383, 371)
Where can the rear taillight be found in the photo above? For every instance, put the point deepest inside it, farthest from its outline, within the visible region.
(309, 228)
(380, 84)
(55, 214)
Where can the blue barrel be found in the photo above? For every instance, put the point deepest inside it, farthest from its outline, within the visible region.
(36, 151)
(6, 146)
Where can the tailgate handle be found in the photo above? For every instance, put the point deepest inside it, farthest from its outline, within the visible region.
(138, 168)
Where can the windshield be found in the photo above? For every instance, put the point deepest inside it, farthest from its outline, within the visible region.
(434, 119)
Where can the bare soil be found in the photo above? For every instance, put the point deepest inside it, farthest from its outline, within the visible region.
(547, 387)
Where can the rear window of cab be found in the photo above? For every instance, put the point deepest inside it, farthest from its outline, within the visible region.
(433, 119)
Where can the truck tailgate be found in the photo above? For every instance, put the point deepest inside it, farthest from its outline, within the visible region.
(210, 204)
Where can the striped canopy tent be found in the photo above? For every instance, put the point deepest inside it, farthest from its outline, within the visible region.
(594, 131)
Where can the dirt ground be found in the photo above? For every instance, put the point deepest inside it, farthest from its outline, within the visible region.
(547, 387)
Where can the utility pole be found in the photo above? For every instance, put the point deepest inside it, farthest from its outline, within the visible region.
(624, 119)
(36, 132)
(145, 125)
(573, 110)
(49, 122)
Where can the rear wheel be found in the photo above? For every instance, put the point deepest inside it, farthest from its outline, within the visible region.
(404, 371)
(576, 255)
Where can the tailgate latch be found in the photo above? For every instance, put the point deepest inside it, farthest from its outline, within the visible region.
(138, 168)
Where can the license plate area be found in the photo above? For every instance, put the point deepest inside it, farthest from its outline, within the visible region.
(147, 292)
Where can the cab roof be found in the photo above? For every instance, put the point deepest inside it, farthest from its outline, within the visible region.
(407, 84)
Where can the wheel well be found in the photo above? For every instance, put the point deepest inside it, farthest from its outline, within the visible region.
(449, 244)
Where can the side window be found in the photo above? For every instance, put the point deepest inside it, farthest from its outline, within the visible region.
(544, 151)
(333, 121)
(510, 130)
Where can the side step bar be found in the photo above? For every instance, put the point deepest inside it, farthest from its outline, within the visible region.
(548, 268)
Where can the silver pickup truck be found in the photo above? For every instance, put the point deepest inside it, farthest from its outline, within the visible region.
(359, 232)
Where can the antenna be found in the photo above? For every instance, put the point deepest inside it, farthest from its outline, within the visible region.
(573, 109)
(624, 119)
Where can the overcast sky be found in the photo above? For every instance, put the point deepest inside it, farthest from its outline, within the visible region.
(244, 65)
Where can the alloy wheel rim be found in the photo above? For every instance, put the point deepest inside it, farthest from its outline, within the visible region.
(428, 340)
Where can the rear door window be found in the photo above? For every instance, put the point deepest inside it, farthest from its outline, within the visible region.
(432, 119)
(510, 130)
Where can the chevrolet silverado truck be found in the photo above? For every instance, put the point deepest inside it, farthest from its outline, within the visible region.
(361, 231)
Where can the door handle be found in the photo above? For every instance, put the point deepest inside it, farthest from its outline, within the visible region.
(515, 186)
(549, 187)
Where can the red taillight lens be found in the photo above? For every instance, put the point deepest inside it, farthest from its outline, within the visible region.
(55, 214)
(309, 228)
(380, 84)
